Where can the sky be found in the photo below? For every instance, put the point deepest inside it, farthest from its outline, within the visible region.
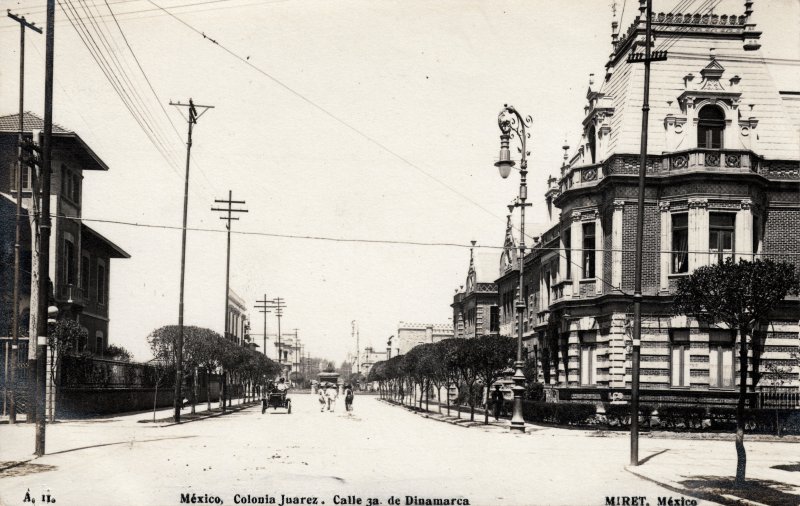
(367, 120)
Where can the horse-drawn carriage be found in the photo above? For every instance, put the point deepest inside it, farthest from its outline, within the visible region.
(277, 399)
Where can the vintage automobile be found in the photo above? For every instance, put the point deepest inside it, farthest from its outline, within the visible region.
(277, 399)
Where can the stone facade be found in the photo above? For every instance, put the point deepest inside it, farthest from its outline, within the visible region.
(412, 334)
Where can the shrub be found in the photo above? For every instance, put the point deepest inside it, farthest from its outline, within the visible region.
(561, 413)
(681, 417)
(619, 415)
(534, 392)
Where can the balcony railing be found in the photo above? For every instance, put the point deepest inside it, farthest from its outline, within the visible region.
(726, 160)
(71, 294)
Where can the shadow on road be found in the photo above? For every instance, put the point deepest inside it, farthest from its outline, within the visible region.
(23, 468)
(651, 456)
(129, 442)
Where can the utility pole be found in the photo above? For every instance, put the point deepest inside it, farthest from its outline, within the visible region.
(264, 308)
(353, 336)
(229, 210)
(44, 235)
(278, 305)
(296, 351)
(12, 407)
(645, 9)
(192, 120)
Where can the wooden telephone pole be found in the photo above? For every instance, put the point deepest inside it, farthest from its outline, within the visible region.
(12, 406)
(647, 11)
(264, 307)
(192, 120)
(229, 218)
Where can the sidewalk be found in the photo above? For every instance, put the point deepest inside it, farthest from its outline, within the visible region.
(773, 472)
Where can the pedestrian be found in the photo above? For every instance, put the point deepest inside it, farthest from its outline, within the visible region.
(331, 393)
(322, 399)
(402, 394)
(497, 401)
(348, 398)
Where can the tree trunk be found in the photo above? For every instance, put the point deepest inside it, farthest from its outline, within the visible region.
(427, 394)
(208, 390)
(486, 411)
(223, 391)
(447, 394)
(741, 455)
(471, 403)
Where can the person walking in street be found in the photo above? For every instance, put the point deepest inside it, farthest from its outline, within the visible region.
(497, 401)
(348, 398)
(323, 401)
(331, 393)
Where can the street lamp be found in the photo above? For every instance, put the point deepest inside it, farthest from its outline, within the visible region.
(512, 124)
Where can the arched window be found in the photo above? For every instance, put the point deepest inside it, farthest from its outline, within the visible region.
(710, 125)
(592, 144)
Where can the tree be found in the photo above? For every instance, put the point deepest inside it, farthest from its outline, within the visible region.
(740, 295)
(492, 355)
(66, 336)
(119, 353)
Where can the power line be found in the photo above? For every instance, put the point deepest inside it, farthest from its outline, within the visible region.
(325, 111)
(382, 241)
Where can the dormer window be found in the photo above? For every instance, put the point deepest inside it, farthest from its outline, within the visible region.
(710, 125)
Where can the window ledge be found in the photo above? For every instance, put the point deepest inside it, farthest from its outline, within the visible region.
(588, 280)
(678, 274)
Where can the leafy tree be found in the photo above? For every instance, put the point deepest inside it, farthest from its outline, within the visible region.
(65, 337)
(449, 353)
(491, 355)
(119, 353)
(741, 295)
(464, 358)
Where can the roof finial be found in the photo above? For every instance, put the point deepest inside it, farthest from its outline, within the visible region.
(642, 8)
(565, 147)
(614, 23)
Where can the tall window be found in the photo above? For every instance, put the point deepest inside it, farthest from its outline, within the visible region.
(68, 274)
(588, 250)
(592, 144)
(26, 178)
(76, 188)
(85, 275)
(101, 283)
(547, 287)
(567, 240)
(494, 319)
(721, 370)
(679, 367)
(710, 125)
(680, 243)
(99, 342)
(720, 236)
(588, 357)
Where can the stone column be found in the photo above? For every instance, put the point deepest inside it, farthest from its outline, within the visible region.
(616, 244)
(698, 233)
(743, 232)
(666, 245)
(599, 253)
(576, 236)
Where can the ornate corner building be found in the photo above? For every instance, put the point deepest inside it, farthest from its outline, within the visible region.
(723, 180)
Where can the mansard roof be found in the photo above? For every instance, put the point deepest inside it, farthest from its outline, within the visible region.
(690, 49)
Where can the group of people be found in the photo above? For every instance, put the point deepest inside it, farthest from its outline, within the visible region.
(328, 393)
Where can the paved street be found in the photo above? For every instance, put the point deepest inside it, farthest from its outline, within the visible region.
(378, 451)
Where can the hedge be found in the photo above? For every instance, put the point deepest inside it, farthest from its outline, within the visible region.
(619, 415)
(561, 413)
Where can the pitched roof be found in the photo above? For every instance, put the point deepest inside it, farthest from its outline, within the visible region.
(30, 123)
(63, 138)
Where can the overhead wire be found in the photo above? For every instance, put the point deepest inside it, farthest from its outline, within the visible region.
(326, 112)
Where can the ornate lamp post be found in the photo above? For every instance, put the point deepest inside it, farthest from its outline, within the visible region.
(512, 124)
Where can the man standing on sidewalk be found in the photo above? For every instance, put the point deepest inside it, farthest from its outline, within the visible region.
(497, 401)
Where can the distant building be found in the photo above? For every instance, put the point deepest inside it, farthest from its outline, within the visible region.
(238, 320)
(369, 356)
(475, 305)
(412, 334)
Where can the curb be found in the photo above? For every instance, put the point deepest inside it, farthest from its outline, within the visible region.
(199, 418)
(458, 422)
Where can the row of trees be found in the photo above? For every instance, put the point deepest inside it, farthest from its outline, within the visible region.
(206, 351)
(466, 364)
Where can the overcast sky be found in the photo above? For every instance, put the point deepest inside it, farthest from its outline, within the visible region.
(347, 119)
